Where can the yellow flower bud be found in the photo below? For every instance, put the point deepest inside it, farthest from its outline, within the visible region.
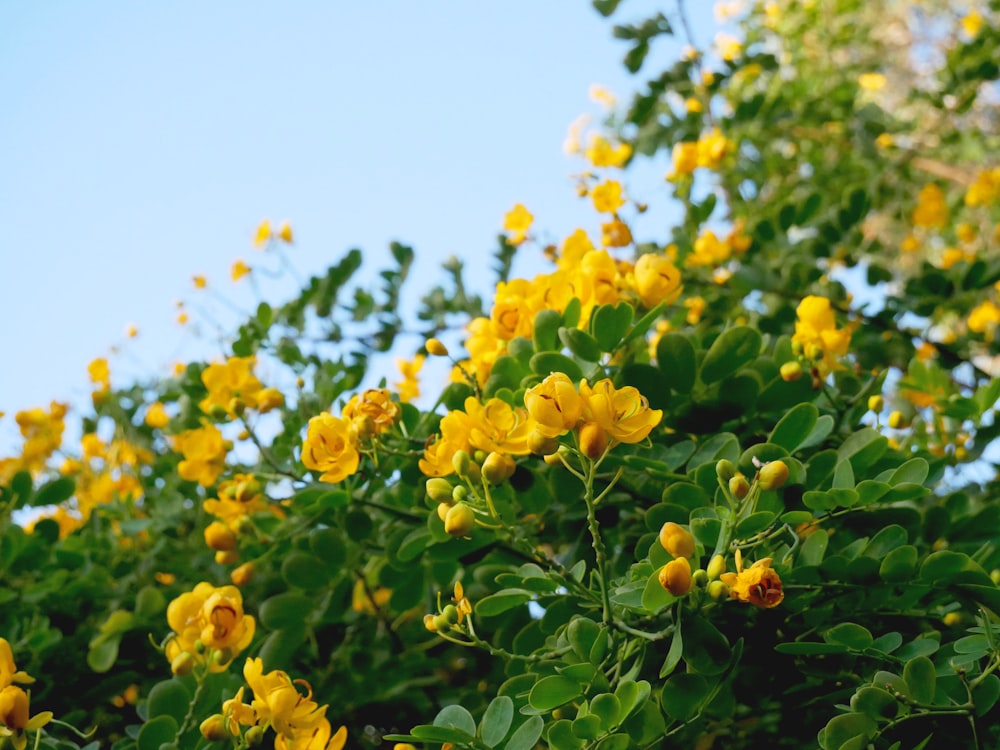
(716, 567)
(182, 664)
(541, 445)
(429, 623)
(439, 490)
(897, 421)
(718, 590)
(254, 735)
(675, 576)
(593, 440)
(243, 574)
(214, 729)
(435, 348)
(773, 475)
(268, 399)
(814, 352)
(699, 578)
(876, 404)
(227, 557)
(739, 486)
(459, 520)
(952, 619)
(498, 467)
(450, 613)
(442, 510)
(791, 371)
(460, 462)
(220, 537)
(676, 540)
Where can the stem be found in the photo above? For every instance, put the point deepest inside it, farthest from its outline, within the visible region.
(598, 543)
(200, 681)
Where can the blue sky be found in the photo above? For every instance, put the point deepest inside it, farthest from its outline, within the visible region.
(144, 142)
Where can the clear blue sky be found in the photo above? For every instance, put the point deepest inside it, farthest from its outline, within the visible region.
(143, 143)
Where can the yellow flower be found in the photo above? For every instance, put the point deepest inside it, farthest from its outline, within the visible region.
(910, 244)
(884, 140)
(616, 234)
(759, 584)
(931, 211)
(601, 95)
(9, 673)
(373, 412)
(263, 235)
(239, 270)
(871, 81)
(409, 386)
(965, 232)
(231, 386)
(220, 537)
(285, 233)
(607, 197)
(693, 105)
(972, 23)
(952, 255)
(199, 281)
(601, 153)
(498, 427)
(182, 318)
(455, 429)
(712, 148)
(554, 404)
(277, 701)
(685, 158)
(729, 46)
(984, 319)
(676, 540)
(316, 738)
(656, 280)
(204, 452)
(815, 327)
(213, 617)
(985, 189)
(517, 221)
(695, 307)
(131, 330)
(329, 448)
(15, 717)
(99, 374)
(368, 602)
(624, 413)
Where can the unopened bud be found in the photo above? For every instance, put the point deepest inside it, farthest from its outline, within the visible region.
(439, 489)
(429, 623)
(243, 574)
(676, 540)
(442, 510)
(254, 735)
(450, 613)
(791, 371)
(897, 421)
(593, 440)
(725, 470)
(435, 348)
(441, 623)
(227, 557)
(214, 729)
(876, 404)
(218, 411)
(739, 486)
(498, 468)
(460, 462)
(716, 567)
(182, 664)
(814, 352)
(220, 537)
(675, 576)
(459, 520)
(699, 578)
(773, 475)
(542, 445)
(459, 494)
(718, 590)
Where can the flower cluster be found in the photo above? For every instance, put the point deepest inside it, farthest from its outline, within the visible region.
(15, 703)
(42, 432)
(708, 152)
(333, 445)
(209, 627)
(817, 335)
(204, 450)
(233, 388)
(298, 721)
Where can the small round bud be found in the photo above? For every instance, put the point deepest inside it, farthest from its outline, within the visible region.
(254, 735)
(450, 613)
(699, 578)
(739, 486)
(541, 445)
(435, 348)
(459, 520)
(439, 489)
(459, 494)
(876, 403)
(897, 421)
(814, 352)
(718, 590)
(725, 470)
(441, 623)
(218, 411)
(773, 475)
(995, 576)
(675, 576)
(479, 456)
(952, 619)
(182, 664)
(214, 729)
(429, 623)
(220, 537)
(222, 656)
(460, 462)
(227, 557)
(791, 371)
(716, 567)
(498, 468)
(442, 511)
(243, 574)
(593, 440)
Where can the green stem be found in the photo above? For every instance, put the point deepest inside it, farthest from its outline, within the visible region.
(598, 543)
(200, 681)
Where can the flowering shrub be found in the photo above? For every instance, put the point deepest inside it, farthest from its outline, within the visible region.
(681, 490)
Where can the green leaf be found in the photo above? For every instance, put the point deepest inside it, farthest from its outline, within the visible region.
(899, 564)
(103, 653)
(54, 492)
(156, 732)
(886, 540)
(606, 7)
(503, 600)
(545, 363)
(814, 548)
(526, 735)
(587, 727)
(674, 654)
(582, 634)
(675, 356)
(414, 544)
(914, 471)
(632, 695)
(824, 426)
(553, 691)
(581, 343)
(654, 597)
(328, 545)
(841, 729)
(610, 323)
(986, 694)
(304, 571)
(876, 703)
(734, 348)
(810, 648)
(614, 742)
(546, 330)
(433, 733)
(849, 634)
(754, 523)
(863, 448)
(607, 708)
(945, 567)
(497, 720)
(284, 609)
(169, 698)
(682, 695)
(808, 208)
(456, 717)
(561, 737)
(921, 679)
(793, 428)
(843, 476)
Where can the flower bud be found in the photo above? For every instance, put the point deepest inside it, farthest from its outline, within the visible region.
(593, 440)
(791, 371)
(435, 348)
(459, 520)
(676, 540)
(442, 510)
(716, 567)
(214, 729)
(218, 411)
(739, 486)
(459, 494)
(897, 421)
(773, 475)
(699, 578)
(725, 470)
(220, 537)
(814, 352)
(876, 403)
(718, 590)
(227, 557)
(541, 445)
(460, 462)
(243, 574)
(268, 399)
(223, 656)
(429, 623)
(439, 489)
(498, 468)
(182, 664)
(675, 576)
(450, 613)
(254, 735)
(441, 624)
